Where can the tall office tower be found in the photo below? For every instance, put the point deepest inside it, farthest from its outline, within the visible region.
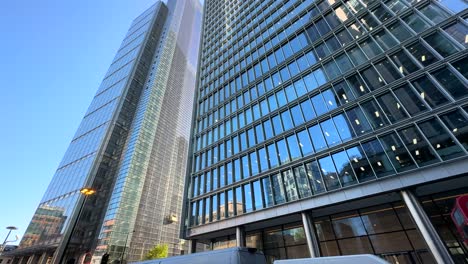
(131, 147)
(331, 127)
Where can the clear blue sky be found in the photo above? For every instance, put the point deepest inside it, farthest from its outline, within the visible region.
(53, 55)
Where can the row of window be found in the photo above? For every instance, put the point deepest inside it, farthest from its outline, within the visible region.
(329, 99)
(341, 63)
(367, 22)
(428, 142)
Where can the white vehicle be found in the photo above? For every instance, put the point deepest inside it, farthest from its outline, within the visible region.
(361, 259)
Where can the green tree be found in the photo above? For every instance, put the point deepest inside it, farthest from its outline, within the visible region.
(159, 251)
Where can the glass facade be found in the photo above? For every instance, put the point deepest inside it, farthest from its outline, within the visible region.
(301, 98)
(131, 147)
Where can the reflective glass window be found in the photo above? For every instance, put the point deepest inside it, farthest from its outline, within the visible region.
(410, 100)
(343, 92)
(415, 22)
(429, 92)
(360, 164)
(287, 121)
(344, 168)
(305, 143)
(310, 82)
(329, 173)
(451, 83)
(237, 170)
(283, 151)
(377, 158)
(315, 178)
(459, 32)
(462, 66)
(370, 48)
(457, 123)
(369, 22)
(277, 126)
(231, 203)
(290, 185)
(268, 192)
(357, 56)
(397, 153)
(278, 189)
(387, 71)
(331, 69)
(344, 127)
(329, 130)
(248, 198)
(294, 149)
(417, 146)
(343, 63)
(384, 39)
(281, 97)
(454, 5)
(381, 13)
(372, 78)
(263, 158)
(441, 44)
(374, 114)
(357, 85)
(396, 5)
(317, 137)
(403, 62)
(259, 133)
(268, 129)
(257, 191)
(358, 120)
(302, 182)
(399, 31)
(440, 139)
(392, 108)
(253, 163)
(297, 115)
(319, 104)
(307, 110)
(272, 155)
(421, 54)
(434, 13)
(300, 87)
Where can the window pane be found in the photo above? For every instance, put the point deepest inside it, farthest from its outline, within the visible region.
(277, 126)
(330, 99)
(385, 40)
(370, 48)
(319, 104)
(267, 192)
(377, 158)
(357, 56)
(278, 188)
(399, 31)
(458, 125)
(451, 83)
(348, 225)
(358, 85)
(272, 155)
(283, 152)
(305, 143)
(294, 149)
(358, 120)
(344, 92)
(462, 66)
(329, 130)
(397, 153)
(391, 107)
(315, 179)
(374, 114)
(415, 22)
(459, 32)
(429, 92)
(422, 54)
(329, 173)
(308, 110)
(287, 121)
(302, 182)
(440, 139)
(372, 78)
(317, 138)
(297, 115)
(434, 13)
(441, 44)
(257, 195)
(403, 62)
(387, 71)
(410, 100)
(248, 198)
(343, 166)
(290, 185)
(417, 146)
(360, 164)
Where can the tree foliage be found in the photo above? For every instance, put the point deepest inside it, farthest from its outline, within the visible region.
(159, 251)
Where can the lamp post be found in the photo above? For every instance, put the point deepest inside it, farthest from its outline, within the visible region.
(9, 232)
(86, 191)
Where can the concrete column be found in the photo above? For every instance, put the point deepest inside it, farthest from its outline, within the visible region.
(433, 241)
(309, 229)
(192, 246)
(240, 236)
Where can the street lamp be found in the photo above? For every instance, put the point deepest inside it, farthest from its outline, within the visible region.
(86, 191)
(9, 232)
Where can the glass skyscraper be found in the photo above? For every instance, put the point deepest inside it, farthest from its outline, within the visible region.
(331, 127)
(131, 147)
